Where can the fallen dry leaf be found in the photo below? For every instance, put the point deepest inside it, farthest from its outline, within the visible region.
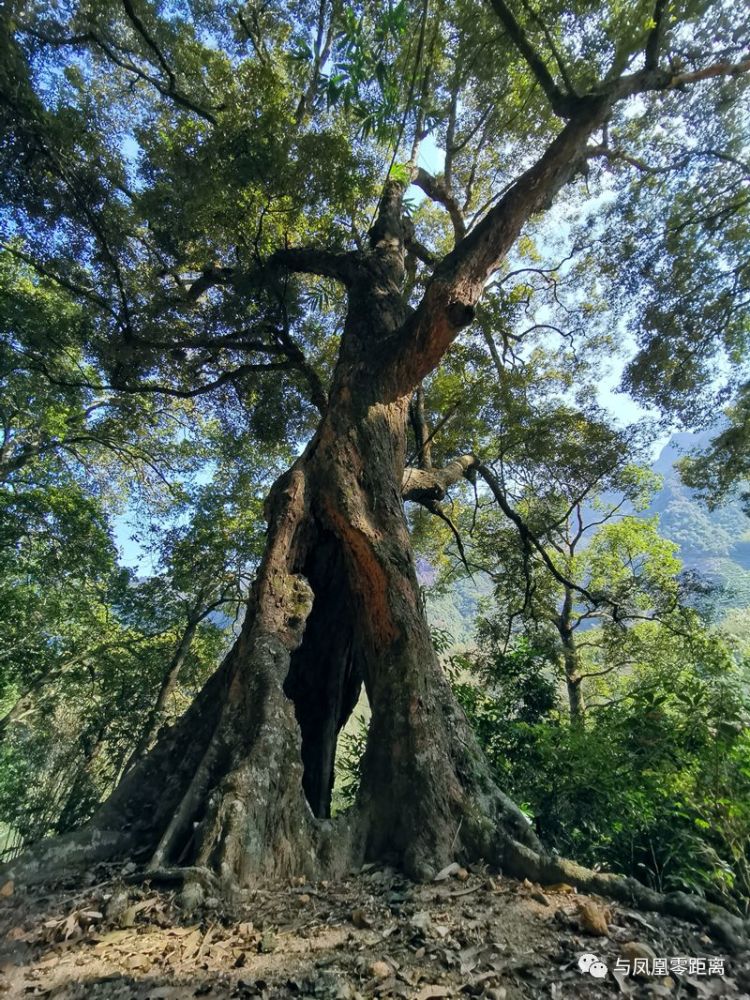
(621, 978)
(637, 949)
(431, 992)
(7, 888)
(466, 892)
(593, 918)
(205, 942)
(539, 896)
(137, 962)
(191, 943)
(380, 970)
(446, 872)
(114, 938)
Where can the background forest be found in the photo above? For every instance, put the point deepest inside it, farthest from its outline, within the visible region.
(588, 587)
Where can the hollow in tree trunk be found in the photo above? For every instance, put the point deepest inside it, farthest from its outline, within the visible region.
(241, 784)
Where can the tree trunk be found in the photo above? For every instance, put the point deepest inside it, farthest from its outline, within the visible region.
(23, 706)
(242, 783)
(576, 700)
(168, 684)
(571, 661)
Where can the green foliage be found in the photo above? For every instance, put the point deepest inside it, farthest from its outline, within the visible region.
(349, 755)
(723, 468)
(656, 785)
(154, 361)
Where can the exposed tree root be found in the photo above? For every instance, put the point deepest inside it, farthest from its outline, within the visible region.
(189, 875)
(65, 856)
(520, 861)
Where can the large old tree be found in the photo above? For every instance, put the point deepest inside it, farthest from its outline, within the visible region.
(219, 188)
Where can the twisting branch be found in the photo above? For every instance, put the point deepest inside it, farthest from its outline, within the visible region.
(414, 247)
(613, 155)
(529, 539)
(290, 347)
(323, 44)
(254, 34)
(428, 486)
(437, 190)
(435, 508)
(164, 390)
(91, 37)
(89, 294)
(438, 426)
(421, 431)
(174, 95)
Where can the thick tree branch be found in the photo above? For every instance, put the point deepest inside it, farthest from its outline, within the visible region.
(559, 101)
(437, 190)
(211, 276)
(149, 41)
(707, 73)
(341, 265)
(656, 35)
(458, 281)
(387, 231)
(425, 486)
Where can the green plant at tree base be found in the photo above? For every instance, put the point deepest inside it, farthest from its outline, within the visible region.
(657, 784)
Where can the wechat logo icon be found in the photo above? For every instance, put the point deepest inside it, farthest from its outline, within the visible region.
(590, 964)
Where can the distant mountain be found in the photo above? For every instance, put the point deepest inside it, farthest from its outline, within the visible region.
(456, 610)
(715, 543)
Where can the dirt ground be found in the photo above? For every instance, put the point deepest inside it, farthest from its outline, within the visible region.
(468, 934)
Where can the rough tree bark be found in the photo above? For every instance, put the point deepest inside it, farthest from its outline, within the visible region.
(242, 783)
